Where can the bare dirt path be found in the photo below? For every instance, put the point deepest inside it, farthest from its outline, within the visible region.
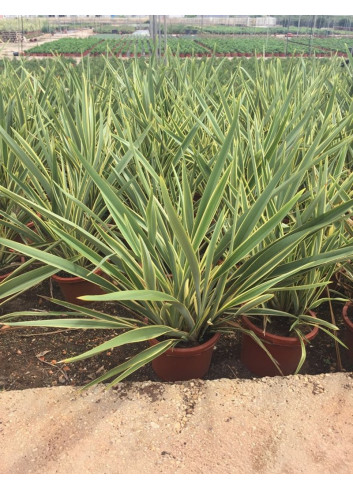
(7, 49)
(297, 424)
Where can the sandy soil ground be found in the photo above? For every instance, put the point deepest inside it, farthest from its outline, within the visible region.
(293, 425)
(7, 49)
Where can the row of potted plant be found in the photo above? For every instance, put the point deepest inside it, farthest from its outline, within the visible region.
(268, 45)
(233, 30)
(246, 46)
(201, 206)
(65, 46)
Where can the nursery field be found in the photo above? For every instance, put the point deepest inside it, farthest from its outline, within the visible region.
(223, 30)
(153, 212)
(245, 45)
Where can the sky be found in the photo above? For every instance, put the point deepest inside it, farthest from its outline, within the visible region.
(160, 7)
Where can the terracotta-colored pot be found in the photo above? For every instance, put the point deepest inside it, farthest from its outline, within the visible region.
(2, 277)
(73, 287)
(287, 351)
(347, 314)
(184, 363)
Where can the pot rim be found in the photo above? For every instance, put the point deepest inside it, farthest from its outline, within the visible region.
(277, 339)
(73, 280)
(346, 318)
(193, 349)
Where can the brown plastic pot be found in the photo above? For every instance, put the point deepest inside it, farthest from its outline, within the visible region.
(184, 363)
(73, 287)
(287, 351)
(348, 336)
(2, 277)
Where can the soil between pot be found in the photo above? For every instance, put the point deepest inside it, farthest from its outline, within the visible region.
(8, 269)
(3, 275)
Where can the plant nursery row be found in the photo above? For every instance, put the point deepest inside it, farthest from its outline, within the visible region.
(238, 30)
(202, 197)
(127, 46)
